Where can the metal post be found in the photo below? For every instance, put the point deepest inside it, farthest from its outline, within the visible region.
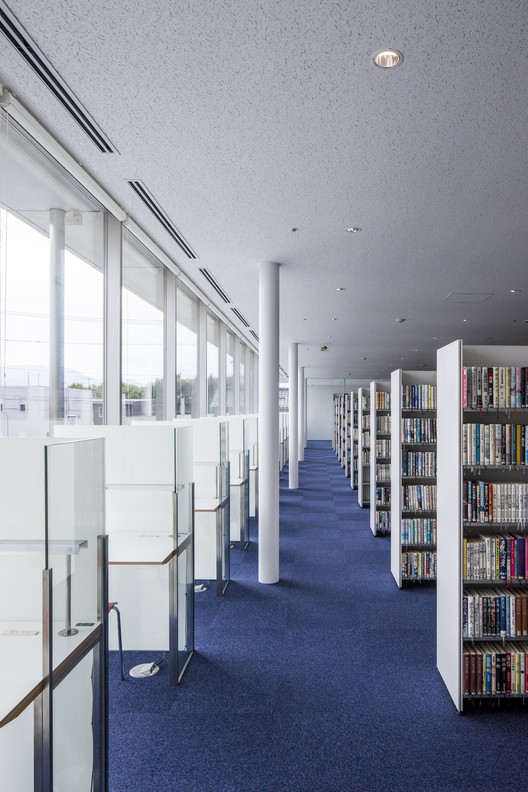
(43, 711)
(100, 674)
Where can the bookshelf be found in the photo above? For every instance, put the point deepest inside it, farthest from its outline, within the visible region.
(347, 432)
(354, 453)
(413, 443)
(469, 661)
(380, 458)
(342, 430)
(364, 447)
(335, 437)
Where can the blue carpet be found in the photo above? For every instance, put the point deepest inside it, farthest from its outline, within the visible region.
(324, 682)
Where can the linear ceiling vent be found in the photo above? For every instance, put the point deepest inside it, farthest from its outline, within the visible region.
(254, 334)
(17, 36)
(239, 316)
(214, 283)
(142, 192)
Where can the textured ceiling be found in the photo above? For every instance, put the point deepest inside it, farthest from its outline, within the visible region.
(246, 119)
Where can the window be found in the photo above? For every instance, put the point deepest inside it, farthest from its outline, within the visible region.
(186, 353)
(143, 301)
(51, 339)
(213, 355)
(242, 391)
(230, 373)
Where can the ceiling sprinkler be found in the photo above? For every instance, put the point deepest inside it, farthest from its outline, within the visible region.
(324, 348)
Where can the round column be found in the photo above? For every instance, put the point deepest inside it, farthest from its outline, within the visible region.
(268, 529)
(293, 404)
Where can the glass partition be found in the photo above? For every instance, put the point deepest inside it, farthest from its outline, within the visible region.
(22, 561)
(75, 519)
(242, 378)
(183, 443)
(143, 307)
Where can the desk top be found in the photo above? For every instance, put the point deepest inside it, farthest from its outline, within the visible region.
(208, 504)
(21, 679)
(140, 548)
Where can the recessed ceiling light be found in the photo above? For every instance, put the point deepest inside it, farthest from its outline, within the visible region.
(435, 338)
(515, 291)
(400, 321)
(329, 336)
(364, 358)
(340, 288)
(294, 229)
(466, 320)
(353, 230)
(388, 58)
(334, 318)
(416, 350)
(490, 338)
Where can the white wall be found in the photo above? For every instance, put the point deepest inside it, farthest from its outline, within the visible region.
(320, 411)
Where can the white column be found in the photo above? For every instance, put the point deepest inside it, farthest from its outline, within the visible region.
(305, 428)
(56, 343)
(293, 403)
(112, 322)
(222, 371)
(202, 359)
(300, 443)
(169, 375)
(268, 548)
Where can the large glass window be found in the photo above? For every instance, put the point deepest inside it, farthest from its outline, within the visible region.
(143, 302)
(242, 391)
(213, 359)
(186, 353)
(51, 292)
(230, 373)
(251, 381)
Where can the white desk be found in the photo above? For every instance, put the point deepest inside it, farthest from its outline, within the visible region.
(21, 680)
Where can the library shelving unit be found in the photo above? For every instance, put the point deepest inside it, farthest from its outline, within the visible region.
(482, 623)
(354, 441)
(344, 432)
(380, 458)
(364, 447)
(335, 434)
(413, 476)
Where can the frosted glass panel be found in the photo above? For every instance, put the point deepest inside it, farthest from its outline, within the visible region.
(72, 730)
(75, 487)
(22, 559)
(22, 530)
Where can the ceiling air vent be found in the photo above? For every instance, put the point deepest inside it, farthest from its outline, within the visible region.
(17, 36)
(142, 193)
(255, 336)
(214, 283)
(239, 316)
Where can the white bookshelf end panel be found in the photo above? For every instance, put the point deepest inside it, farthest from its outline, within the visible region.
(449, 519)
